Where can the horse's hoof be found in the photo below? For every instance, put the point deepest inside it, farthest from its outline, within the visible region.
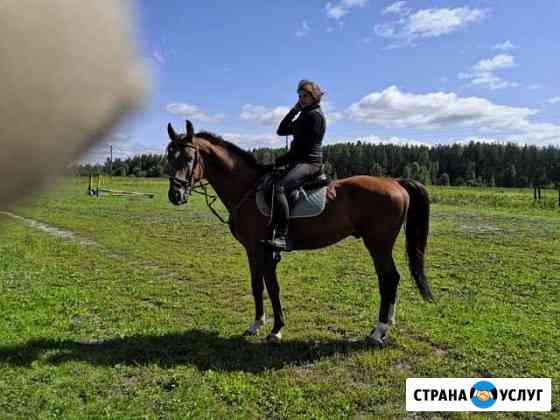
(376, 341)
(274, 338)
(254, 328)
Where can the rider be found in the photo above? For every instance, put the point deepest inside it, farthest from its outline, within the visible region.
(304, 158)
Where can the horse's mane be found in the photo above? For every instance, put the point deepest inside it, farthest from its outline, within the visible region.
(248, 157)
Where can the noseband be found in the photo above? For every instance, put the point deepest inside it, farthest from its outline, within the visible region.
(187, 183)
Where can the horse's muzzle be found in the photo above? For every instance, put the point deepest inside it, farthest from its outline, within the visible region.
(177, 196)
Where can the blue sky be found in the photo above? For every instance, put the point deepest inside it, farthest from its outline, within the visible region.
(404, 72)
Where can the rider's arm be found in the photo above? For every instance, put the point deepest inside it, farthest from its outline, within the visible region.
(286, 127)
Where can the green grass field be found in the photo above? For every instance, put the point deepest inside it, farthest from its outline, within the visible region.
(140, 314)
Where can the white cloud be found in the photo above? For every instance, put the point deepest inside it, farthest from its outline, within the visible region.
(262, 115)
(435, 22)
(482, 73)
(534, 86)
(425, 23)
(354, 3)
(476, 139)
(488, 80)
(506, 45)
(501, 61)
(393, 108)
(331, 115)
(397, 8)
(554, 100)
(192, 112)
(124, 147)
(337, 10)
(303, 29)
(542, 134)
(373, 139)
(255, 141)
(272, 116)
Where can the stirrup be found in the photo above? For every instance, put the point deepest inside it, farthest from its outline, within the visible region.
(278, 242)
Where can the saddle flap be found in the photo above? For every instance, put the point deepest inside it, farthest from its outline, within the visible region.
(308, 200)
(308, 203)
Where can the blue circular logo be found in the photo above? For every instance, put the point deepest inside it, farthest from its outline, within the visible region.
(483, 394)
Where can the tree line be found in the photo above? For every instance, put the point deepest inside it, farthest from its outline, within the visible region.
(472, 164)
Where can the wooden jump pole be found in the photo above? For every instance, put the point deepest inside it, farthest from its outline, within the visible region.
(115, 192)
(99, 189)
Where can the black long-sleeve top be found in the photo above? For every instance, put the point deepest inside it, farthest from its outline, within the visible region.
(308, 130)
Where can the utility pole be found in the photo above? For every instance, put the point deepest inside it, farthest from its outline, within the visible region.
(111, 161)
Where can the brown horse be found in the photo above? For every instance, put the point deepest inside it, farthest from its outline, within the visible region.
(366, 207)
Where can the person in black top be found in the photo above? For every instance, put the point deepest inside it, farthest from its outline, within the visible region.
(304, 157)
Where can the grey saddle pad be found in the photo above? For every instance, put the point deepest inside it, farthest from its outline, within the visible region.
(309, 203)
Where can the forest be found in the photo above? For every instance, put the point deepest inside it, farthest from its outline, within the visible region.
(472, 164)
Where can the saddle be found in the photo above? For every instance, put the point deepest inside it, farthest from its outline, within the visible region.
(306, 201)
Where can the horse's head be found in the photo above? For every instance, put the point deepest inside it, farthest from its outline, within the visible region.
(184, 164)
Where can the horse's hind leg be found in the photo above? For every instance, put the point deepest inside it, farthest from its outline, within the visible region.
(388, 284)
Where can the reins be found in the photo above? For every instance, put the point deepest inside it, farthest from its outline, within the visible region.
(210, 200)
(200, 187)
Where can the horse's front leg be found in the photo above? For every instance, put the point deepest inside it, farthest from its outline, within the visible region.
(273, 289)
(257, 284)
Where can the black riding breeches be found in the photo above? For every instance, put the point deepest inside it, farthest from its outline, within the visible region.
(292, 180)
(296, 176)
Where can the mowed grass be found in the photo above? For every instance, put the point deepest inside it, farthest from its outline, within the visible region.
(145, 322)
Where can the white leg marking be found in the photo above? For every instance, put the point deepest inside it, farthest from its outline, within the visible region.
(256, 325)
(274, 338)
(392, 313)
(380, 331)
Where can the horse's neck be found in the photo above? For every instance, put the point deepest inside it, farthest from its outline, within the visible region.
(228, 174)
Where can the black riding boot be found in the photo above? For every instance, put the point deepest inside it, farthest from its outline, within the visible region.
(282, 214)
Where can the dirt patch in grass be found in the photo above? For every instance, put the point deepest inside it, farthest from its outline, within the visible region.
(51, 230)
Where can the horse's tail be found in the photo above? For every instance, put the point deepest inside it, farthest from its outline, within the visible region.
(417, 227)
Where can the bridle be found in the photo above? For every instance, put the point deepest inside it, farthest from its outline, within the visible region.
(187, 183)
(200, 187)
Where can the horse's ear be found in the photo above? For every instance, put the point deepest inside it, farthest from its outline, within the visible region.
(190, 131)
(171, 132)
